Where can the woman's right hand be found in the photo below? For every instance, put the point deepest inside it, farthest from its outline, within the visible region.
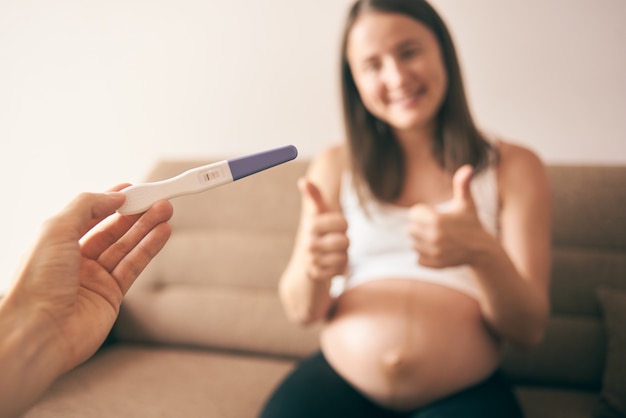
(328, 242)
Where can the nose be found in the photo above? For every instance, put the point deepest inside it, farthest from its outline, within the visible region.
(395, 73)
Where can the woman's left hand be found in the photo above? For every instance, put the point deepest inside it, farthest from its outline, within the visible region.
(451, 237)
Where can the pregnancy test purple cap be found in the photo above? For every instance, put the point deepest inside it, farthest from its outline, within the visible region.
(244, 166)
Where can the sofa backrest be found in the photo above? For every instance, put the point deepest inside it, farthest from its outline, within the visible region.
(589, 244)
(214, 284)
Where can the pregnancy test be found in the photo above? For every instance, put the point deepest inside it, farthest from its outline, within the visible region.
(140, 197)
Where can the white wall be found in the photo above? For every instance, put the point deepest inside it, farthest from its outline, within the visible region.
(92, 93)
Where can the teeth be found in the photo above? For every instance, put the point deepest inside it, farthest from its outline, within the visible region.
(412, 96)
(405, 98)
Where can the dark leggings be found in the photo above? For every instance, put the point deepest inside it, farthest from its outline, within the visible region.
(315, 390)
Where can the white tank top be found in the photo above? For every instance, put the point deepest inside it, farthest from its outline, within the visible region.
(380, 246)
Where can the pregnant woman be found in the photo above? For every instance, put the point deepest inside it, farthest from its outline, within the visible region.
(423, 243)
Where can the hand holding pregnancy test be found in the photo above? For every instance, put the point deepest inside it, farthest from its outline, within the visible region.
(140, 197)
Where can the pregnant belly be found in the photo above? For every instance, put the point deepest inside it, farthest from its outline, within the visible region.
(406, 343)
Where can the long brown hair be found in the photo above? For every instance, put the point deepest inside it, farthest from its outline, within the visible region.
(377, 162)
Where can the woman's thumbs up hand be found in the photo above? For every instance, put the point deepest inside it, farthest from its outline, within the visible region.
(447, 238)
(328, 242)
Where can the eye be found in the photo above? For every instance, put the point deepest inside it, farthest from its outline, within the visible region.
(371, 66)
(408, 53)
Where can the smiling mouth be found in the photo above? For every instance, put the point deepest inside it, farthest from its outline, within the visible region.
(408, 100)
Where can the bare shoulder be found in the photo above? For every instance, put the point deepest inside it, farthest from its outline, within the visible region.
(326, 170)
(516, 157)
(521, 170)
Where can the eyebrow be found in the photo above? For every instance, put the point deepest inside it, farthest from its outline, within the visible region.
(409, 42)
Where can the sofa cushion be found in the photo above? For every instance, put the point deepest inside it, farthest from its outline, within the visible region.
(578, 272)
(130, 381)
(228, 318)
(589, 204)
(215, 289)
(545, 402)
(614, 382)
(219, 257)
(572, 356)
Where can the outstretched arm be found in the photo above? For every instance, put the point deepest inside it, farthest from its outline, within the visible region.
(67, 295)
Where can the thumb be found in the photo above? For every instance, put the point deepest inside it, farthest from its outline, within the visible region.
(461, 191)
(310, 191)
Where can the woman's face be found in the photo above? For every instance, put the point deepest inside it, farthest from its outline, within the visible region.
(398, 69)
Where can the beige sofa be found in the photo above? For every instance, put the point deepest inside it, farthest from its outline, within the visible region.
(202, 332)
